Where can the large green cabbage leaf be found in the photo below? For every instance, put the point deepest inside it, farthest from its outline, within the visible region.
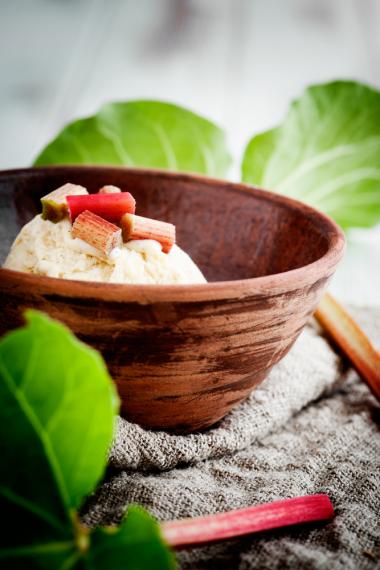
(149, 134)
(325, 153)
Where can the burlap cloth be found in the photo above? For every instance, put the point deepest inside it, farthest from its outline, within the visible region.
(311, 427)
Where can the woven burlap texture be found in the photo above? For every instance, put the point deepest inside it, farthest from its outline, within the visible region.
(311, 427)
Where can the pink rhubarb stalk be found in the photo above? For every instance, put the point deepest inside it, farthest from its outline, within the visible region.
(223, 526)
(54, 204)
(97, 232)
(137, 227)
(110, 207)
(109, 189)
(351, 339)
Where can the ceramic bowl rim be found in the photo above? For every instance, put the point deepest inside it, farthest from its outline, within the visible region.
(276, 283)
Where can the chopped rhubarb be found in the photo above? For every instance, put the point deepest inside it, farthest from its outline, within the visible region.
(137, 227)
(109, 189)
(54, 204)
(97, 232)
(111, 207)
(223, 526)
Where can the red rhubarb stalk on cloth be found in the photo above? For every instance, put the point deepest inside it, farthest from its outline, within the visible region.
(137, 227)
(223, 526)
(111, 207)
(97, 232)
(351, 339)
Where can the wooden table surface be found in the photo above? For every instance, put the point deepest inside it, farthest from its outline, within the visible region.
(238, 62)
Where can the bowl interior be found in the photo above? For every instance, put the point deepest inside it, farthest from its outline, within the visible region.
(230, 232)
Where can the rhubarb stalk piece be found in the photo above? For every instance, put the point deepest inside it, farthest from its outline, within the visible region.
(137, 227)
(351, 339)
(109, 189)
(111, 207)
(54, 204)
(223, 526)
(97, 232)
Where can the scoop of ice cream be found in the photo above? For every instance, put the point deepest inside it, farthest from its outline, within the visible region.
(45, 248)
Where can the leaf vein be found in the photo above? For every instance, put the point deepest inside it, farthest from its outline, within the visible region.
(316, 161)
(40, 432)
(31, 507)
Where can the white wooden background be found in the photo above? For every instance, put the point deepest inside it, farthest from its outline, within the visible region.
(238, 62)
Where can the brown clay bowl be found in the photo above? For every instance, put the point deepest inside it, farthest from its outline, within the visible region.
(182, 356)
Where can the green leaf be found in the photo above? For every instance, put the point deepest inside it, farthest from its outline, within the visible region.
(135, 545)
(142, 133)
(259, 152)
(326, 153)
(57, 410)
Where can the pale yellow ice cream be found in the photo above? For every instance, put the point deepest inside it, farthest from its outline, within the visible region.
(45, 248)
